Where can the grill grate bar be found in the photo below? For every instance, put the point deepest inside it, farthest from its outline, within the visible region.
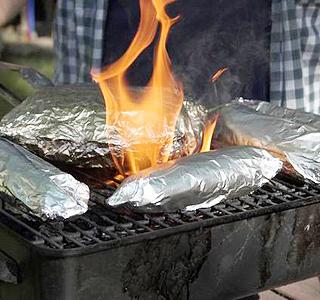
(69, 238)
(127, 218)
(222, 210)
(174, 219)
(84, 233)
(274, 196)
(104, 224)
(263, 200)
(106, 231)
(237, 207)
(116, 225)
(138, 224)
(157, 221)
(314, 186)
(206, 213)
(252, 204)
(288, 192)
(188, 216)
(299, 188)
(30, 229)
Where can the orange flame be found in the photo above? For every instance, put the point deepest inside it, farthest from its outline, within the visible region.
(218, 74)
(208, 134)
(145, 120)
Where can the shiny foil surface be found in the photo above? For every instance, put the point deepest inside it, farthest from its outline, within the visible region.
(293, 136)
(41, 187)
(198, 181)
(67, 124)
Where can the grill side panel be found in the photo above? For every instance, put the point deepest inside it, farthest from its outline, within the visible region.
(261, 253)
(21, 254)
(222, 262)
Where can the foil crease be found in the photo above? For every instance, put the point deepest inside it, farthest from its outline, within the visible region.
(198, 181)
(293, 136)
(67, 124)
(42, 188)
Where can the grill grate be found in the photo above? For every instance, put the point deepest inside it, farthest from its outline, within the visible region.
(109, 226)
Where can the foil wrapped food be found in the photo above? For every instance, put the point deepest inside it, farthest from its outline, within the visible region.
(42, 188)
(67, 124)
(198, 181)
(293, 136)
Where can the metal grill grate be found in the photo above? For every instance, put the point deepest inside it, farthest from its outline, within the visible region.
(108, 226)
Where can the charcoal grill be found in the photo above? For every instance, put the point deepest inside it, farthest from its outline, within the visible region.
(231, 250)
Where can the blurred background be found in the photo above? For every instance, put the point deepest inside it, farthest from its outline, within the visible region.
(212, 34)
(27, 40)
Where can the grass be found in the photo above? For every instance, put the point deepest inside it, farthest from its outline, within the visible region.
(35, 58)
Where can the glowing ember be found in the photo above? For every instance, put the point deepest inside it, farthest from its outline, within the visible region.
(218, 74)
(144, 121)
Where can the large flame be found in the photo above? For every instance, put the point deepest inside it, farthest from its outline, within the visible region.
(144, 121)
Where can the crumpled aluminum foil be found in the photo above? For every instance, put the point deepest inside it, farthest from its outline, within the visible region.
(293, 136)
(44, 189)
(198, 181)
(67, 124)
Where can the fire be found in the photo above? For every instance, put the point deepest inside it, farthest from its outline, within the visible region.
(217, 75)
(143, 121)
(208, 134)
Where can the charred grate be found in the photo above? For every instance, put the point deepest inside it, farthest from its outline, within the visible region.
(111, 227)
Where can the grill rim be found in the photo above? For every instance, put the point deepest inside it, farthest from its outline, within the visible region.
(165, 232)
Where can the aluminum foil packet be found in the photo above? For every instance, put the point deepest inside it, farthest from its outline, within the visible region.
(293, 136)
(198, 181)
(67, 124)
(42, 188)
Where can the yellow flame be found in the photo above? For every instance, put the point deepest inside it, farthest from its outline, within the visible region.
(145, 120)
(208, 134)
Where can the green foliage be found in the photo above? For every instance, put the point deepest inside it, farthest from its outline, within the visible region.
(13, 81)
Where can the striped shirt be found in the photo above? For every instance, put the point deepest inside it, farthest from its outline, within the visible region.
(295, 48)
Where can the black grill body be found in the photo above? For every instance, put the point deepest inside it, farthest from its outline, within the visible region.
(232, 250)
